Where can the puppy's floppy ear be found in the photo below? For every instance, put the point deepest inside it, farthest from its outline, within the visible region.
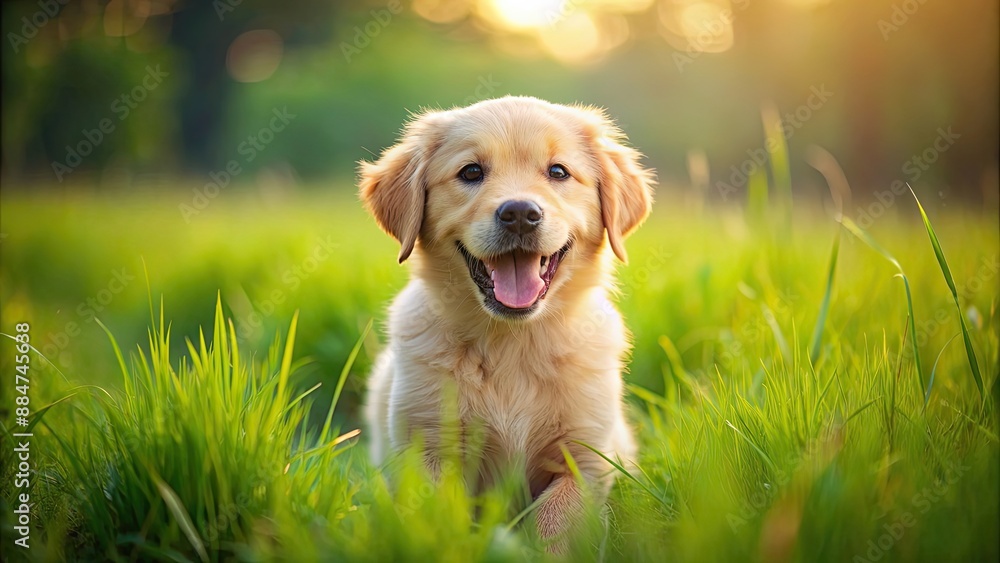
(624, 185)
(393, 189)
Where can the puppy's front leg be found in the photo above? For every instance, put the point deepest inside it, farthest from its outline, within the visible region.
(561, 506)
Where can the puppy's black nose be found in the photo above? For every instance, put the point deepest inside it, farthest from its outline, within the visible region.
(519, 217)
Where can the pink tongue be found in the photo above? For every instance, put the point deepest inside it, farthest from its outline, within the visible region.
(516, 281)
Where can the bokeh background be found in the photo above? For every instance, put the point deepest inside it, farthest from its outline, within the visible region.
(186, 150)
(680, 76)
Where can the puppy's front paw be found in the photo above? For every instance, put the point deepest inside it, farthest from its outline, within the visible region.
(560, 509)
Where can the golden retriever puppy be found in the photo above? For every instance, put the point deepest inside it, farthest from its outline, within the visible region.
(509, 211)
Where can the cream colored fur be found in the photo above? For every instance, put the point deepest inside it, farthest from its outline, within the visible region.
(535, 385)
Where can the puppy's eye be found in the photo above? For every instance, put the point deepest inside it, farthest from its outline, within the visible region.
(558, 172)
(471, 173)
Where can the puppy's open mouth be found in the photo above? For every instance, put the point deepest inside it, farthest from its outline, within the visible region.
(514, 282)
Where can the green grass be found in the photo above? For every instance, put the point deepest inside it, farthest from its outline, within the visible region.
(782, 412)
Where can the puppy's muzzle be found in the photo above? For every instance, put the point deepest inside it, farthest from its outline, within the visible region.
(519, 217)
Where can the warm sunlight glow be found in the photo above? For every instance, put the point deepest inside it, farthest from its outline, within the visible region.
(614, 30)
(441, 11)
(699, 26)
(807, 3)
(708, 26)
(622, 6)
(526, 14)
(575, 39)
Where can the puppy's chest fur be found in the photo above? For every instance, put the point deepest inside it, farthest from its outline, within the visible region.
(520, 402)
(521, 398)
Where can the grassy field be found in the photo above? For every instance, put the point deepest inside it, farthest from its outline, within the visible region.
(772, 427)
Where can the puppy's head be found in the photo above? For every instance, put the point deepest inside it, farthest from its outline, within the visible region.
(516, 195)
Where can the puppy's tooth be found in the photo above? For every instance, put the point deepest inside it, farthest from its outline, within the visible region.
(493, 275)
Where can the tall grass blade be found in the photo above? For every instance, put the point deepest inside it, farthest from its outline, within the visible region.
(930, 384)
(176, 507)
(306, 454)
(618, 467)
(826, 164)
(149, 292)
(757, 198)
(753, 445)
(777, 150)
(571, 464)
(286, 359)
(861, 409)
(343, 378)
(303, 395)
(779, 335)
(118, 351)
(682, 379)
(647, 396)
(822, 395)
(868, 240)
(527, 510)
(36, 417)
(939, 253)
(817, 336)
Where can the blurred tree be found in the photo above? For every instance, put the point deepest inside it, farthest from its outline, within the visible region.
(203, 33)
(76, 97)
